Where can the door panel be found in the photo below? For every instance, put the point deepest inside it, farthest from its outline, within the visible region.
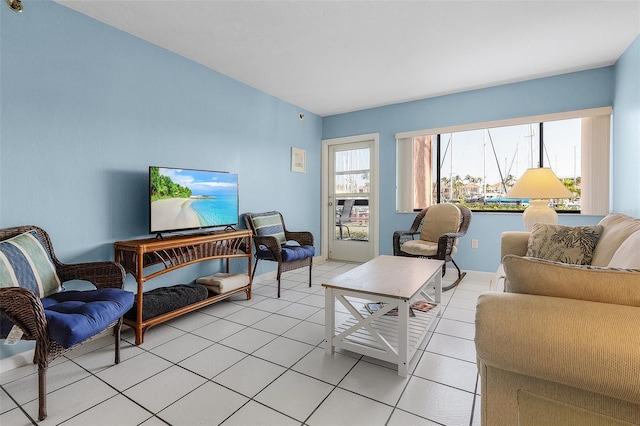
(349, 197)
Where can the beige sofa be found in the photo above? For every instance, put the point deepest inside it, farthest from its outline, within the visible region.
(616, 228)
(561, 344)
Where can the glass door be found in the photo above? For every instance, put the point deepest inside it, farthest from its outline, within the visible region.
(349, 202)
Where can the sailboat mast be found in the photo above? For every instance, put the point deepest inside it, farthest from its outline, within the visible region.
(451, 171)
(484, 163)
(531, 145)
(495, 156)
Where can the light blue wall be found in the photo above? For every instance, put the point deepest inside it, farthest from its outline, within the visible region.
(588, 89)
(626, 132)
(87, 108)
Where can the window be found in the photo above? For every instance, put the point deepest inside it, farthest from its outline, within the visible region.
(477, 164)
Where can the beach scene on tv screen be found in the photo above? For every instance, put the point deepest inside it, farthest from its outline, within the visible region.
(185, 199)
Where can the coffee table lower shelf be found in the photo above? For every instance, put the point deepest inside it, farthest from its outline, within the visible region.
(395, 281)
(384, 343)
(376, 335)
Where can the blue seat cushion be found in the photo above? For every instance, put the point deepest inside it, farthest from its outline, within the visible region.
(289, 253)
(74, 316)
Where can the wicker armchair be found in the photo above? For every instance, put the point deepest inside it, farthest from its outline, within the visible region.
(273, 242)
(436, 245)
(21, 307)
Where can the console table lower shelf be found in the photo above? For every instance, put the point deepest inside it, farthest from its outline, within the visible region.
(141, 326)
(397, 282)
(148, 258)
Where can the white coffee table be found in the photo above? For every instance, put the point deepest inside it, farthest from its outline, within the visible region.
(397, 282)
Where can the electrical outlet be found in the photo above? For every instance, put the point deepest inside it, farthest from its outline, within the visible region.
(474, 243)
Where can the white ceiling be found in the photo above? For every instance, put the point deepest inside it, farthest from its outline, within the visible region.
(330, 57)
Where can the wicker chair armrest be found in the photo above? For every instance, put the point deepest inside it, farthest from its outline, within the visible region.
(453, 235)
(100, 274)
(400, 237)
(271, 243)
(303, 238)
(24, 309)
(417, 221)
(446, 243)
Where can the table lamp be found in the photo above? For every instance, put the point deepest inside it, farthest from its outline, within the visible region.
(539, 185)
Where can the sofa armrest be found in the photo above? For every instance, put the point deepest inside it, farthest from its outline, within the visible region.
(587, 345)
(513, 242)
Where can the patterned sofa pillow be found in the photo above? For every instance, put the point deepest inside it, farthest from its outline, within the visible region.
(567, 244)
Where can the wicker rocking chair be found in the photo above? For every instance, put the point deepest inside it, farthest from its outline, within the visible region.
(434, 234)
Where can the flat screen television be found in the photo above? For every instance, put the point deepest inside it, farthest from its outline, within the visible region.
(183, 199)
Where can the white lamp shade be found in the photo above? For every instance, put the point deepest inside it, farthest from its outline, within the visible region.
(539, 183)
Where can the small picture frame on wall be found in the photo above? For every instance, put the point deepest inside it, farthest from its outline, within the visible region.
(298, 160)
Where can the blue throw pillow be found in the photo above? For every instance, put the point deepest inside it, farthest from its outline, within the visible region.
(25, 263)
(269, 224)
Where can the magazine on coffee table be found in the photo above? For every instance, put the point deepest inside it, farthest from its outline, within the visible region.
(423, 305)
(373, 307)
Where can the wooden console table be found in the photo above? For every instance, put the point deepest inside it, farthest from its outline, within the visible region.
(175, 252)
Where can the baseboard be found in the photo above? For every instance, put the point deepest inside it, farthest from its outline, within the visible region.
(473, 276)
(17, 360)
(258, 278)
(452, 273)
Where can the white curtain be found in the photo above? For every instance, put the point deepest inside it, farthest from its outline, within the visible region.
(595, 165)
(404, 174)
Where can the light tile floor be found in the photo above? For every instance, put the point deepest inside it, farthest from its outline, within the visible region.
(259, 362)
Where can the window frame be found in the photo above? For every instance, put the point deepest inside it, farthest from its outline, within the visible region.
(597, 157)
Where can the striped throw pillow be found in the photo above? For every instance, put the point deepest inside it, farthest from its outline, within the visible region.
(25, 263)
(269, 223)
